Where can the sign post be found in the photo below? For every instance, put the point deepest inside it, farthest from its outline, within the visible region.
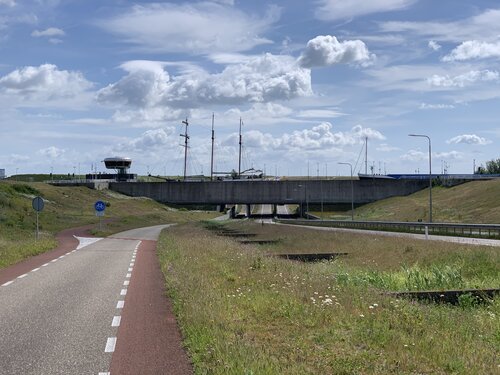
(38, 205)
(100, 206)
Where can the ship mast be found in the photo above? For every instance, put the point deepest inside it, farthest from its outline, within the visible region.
(239, 158)
(186, 137)
(212, 158)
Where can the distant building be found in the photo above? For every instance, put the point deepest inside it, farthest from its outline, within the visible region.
(2, 174)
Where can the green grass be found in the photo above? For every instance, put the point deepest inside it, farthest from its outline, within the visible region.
(472, 202)
(243, 312)
(67, 207)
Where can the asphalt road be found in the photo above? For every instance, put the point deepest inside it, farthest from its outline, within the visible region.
(62, 317)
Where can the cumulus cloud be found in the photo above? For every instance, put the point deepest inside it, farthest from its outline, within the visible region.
(52, 152)
(326, 50)
(341, 9)
(470, 139)
(434, 45)
(50, 32)
(149, 140)
(261, 79)
(198, 28)
(463, 80)
(45, 81)
(473, 49)
(318, 137)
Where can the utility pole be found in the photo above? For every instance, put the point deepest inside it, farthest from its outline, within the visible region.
(239, 157)
(212, 159)
(186, 137)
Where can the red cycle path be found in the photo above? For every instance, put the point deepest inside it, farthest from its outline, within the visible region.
(148, 340)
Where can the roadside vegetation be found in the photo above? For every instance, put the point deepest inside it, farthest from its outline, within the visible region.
(67, 207)
(244, 311)
(472, 202)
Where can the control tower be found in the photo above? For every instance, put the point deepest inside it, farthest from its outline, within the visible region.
(120, 165)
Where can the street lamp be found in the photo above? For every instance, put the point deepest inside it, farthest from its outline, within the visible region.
(352, 191)
(430, 172)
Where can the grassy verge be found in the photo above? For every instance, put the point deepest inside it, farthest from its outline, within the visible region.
(243, 312)
(67, 207)
(472, 202)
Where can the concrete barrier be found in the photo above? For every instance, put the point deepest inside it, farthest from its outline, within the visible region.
(269, 192)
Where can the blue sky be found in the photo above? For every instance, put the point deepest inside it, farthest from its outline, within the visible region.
(81, 80)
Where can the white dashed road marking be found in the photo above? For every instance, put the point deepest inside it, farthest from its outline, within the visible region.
(24, 275)
(8, 283)
(116, 321)
(110, 345)
(123, 292)
(120, 304)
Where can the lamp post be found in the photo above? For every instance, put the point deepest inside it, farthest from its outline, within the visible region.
(430, 172)
(352, 191)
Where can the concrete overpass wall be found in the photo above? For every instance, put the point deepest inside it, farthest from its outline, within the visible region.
(269, 192)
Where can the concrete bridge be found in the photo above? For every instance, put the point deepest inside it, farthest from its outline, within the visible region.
(251, 192)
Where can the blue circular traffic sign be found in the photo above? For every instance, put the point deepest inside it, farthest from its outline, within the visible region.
(100, 206)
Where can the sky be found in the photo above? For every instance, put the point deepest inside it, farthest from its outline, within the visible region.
(82, 80)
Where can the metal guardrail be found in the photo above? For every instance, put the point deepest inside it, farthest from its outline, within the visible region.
(446, 229)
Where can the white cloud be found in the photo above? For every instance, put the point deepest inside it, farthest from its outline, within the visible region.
(384, 147)
(463, 80)
(150, 140)
(342, 9)
(451, 155)
(8, 3)
(436, 106)
(261, 79)
(316, 138)
(473, 49)
(16, 158)
(433, 45)
(326, 50)
(51, 31)
(414, 155)
(52, 152)
(44, 82)
(320, 113)
(198, 28)
(470, 139)
(484, 26)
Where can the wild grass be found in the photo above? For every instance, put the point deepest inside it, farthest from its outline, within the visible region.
(472, 202)
(67, 207)
(243, 312)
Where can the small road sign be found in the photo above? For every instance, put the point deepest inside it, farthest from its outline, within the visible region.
(100, 206)
(37, 204)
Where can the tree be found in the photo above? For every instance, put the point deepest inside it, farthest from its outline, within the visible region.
(492, 167)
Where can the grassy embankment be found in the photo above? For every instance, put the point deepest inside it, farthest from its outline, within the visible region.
(67, 207)
(472, 202)
(243, 312)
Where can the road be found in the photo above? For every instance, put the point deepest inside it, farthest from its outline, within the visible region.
(67, 316)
